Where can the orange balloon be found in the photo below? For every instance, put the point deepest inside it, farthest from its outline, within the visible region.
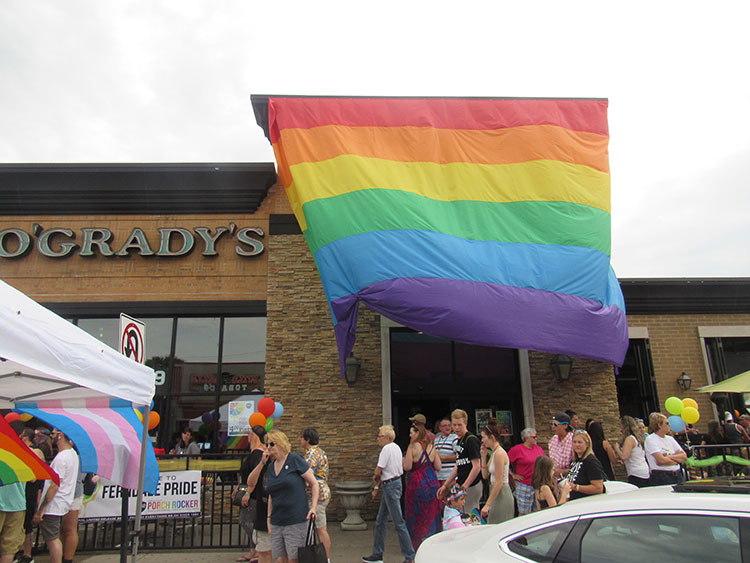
(257, 418)
(153, 420)
(688, 402)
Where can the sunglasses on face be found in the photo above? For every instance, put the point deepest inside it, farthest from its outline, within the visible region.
(270, 444)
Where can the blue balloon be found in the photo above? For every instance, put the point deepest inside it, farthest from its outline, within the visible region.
(676, 423)
(278, 410)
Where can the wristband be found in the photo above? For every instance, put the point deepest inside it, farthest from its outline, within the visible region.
(375, 488)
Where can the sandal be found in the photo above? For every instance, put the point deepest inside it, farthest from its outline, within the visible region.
(247, 558)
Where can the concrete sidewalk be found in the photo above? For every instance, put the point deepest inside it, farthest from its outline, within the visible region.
(347, 547)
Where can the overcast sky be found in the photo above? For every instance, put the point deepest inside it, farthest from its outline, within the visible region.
(157, 81)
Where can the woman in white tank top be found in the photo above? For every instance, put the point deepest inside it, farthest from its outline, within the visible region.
(630, 450)
(499, 506)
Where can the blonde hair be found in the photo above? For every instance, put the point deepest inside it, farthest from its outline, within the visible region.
(655, 421)
(280, 439)
(589, 450)
(460, 413)
(388, 431)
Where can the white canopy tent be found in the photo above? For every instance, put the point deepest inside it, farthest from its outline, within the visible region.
(45, 358)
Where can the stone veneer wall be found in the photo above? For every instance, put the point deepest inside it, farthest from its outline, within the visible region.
(590, 392)
(302, 368)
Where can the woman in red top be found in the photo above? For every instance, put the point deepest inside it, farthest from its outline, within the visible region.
(522, 457)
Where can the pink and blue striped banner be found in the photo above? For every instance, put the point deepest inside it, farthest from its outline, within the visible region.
(107, 435)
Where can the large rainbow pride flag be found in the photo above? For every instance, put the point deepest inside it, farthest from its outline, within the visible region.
(18, 464)
(485, 221)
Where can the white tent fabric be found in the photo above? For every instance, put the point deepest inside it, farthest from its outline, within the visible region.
(43, 356)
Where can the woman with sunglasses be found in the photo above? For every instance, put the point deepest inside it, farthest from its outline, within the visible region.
(586, 475)
(421, 507)
(522, 458)
(288, 510)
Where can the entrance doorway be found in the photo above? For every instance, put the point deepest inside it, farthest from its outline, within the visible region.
(433, 376)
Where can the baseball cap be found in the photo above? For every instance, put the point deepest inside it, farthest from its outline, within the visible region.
(44, 430)
(419, 418)
(562, 418)
(259, 431)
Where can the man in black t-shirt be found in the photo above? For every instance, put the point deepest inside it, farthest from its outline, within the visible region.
(468, 463)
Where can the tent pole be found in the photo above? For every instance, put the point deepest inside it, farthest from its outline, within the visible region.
(124, 525)
(141, 476)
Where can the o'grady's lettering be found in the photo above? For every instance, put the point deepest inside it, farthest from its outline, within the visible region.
(60, 242)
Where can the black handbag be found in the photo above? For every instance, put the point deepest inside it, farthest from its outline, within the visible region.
(237, 500)
(314, 551)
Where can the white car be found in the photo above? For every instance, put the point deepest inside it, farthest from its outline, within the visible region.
(705, 521)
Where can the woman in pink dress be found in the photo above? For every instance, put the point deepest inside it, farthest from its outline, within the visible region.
(422, 508)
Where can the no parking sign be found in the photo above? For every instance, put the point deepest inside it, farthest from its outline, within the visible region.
(132, 338)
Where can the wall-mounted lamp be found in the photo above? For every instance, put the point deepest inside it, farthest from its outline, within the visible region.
(560, 365)
(352, 369)
(684, 381)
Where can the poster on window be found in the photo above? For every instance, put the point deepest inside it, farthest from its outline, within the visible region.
(505, 422)
(239, 413)
(178, 495)
(482, 417)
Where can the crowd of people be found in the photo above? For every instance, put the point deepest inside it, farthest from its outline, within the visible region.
(53, 508)
(579, 462)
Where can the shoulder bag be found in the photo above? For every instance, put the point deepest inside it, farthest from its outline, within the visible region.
(313, 551)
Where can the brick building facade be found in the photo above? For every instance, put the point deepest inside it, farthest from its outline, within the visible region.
(266, 314)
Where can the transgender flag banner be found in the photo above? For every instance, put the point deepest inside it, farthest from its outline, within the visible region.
(485, 221)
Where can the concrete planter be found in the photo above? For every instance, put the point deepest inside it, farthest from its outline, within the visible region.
(353, 496)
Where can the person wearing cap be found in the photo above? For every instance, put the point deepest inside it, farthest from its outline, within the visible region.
(422, 419)
(56, 500)
(561, 445)
(255, 439)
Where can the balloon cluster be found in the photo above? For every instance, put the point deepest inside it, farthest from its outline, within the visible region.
(268, 409)
(683, 411)
(12, 416)
(153, 416)
(209, 419)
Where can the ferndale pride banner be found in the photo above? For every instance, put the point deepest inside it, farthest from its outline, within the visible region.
(177, 495)
(485, 221)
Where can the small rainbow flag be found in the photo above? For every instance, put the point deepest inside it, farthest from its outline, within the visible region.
(485, 221)
(18, 464)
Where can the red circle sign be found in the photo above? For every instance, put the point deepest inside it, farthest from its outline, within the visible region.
(132, 343)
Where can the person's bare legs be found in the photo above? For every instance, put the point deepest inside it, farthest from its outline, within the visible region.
(325, 539)
(28, 543)
(69, 534)
(55, 551)
(6, 558)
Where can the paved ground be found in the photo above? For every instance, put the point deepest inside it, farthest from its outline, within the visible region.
(348, 547)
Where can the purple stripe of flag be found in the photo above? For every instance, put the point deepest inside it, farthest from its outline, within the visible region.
(490, 315)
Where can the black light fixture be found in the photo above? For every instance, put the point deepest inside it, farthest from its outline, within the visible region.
(684, 381)
(560, 365)
(352, 369)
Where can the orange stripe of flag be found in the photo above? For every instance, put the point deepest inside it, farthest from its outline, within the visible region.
(442, 146)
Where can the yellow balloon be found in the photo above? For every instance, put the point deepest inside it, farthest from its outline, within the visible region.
(139, 414)
(690, 403)
(26, 417)
(690, 415)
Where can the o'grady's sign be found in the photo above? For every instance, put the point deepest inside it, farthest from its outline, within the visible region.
(60, 242)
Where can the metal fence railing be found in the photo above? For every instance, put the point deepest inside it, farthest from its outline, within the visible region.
(216, 526)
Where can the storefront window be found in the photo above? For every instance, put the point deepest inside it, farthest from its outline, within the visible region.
(196, 355)
(243, 355)
(106, 330)
(159, 350)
